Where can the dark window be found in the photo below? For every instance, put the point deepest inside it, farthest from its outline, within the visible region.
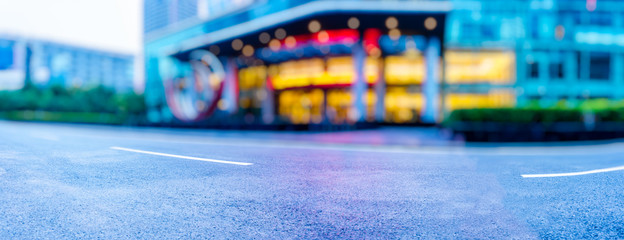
(6, 54)
(579, 66)
(574, 15)
(533, 69)
(600, 18)
(487, 31)
(599, 66)
(535, 27)
(469, 31)
(556, 70)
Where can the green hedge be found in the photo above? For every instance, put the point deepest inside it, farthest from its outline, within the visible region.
(534, 115)
(74, 117)
(95, 105)
(515, 115)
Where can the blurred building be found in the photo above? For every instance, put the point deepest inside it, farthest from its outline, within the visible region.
(558, 49)
(165, 13)
(393, 61)
(46, 63)
(12, 64)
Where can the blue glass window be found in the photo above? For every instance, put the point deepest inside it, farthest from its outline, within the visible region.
(599, 66)
(6, 54)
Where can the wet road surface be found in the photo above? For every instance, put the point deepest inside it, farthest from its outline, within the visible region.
(61, 181)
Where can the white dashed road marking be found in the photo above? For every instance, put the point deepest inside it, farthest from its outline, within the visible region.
(620, 168)
(180, 156)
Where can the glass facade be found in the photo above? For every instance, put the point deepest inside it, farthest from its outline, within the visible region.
(49, 63)
(564, 49)
(12, 67)
(6, 54)
(163, 13)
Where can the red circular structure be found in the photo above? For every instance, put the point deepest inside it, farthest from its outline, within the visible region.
(193, 88)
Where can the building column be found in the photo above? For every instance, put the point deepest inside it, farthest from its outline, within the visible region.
(268, 103)
(617, 72)
(380, 93)
(230, 88)
(570, 73)
(431, 86)
(358, 88)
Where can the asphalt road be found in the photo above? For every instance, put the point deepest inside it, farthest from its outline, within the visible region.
(60, 181)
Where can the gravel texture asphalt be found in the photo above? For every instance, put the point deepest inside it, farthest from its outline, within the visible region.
(62, 181)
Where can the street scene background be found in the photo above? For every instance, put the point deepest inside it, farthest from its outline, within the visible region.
(356, 119)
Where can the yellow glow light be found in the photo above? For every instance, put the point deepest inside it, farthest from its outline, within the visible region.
(392, 23)
(431, 23)
(323, 37)
(314, 26)
(402, 70)
(222, 104)
(394, 34)
(248, 51)
(495, 98)
(264, 38)
(353, 23)
(237, 44)
(280, 33)
(473, 67)
(290, 42)
(275, 45)
(375, 52)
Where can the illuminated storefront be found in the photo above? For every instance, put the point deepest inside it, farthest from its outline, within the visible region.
(479, 79)
(315, 87)
(493, 67)
(393, 61)
(325, 67)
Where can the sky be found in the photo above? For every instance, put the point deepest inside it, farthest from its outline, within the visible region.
(111, 25)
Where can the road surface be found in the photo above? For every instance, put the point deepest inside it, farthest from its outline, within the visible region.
(61, 181)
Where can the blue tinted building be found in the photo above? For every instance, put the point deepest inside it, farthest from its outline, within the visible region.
(568, 50)
(165, 13)
(47, 63)
(12, 64)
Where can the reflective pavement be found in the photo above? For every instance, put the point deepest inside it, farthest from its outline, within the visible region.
(81, 181)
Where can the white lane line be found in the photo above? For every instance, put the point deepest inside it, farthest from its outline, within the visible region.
(620, 168)
(180, 156)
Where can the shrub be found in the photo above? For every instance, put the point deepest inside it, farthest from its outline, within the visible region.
(57, 99)
(544, 116)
